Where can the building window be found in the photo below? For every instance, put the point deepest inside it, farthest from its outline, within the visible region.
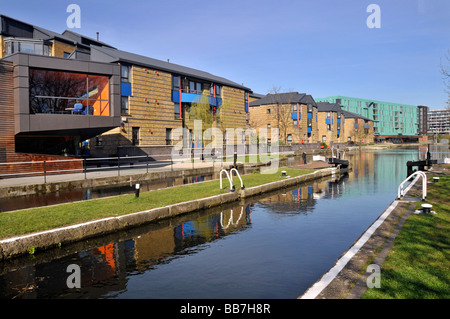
(218, 91)
(268, 125)
(268, 111)
(168, 136)
(98, 141)
(191, 87)
(296, 123)
(289, 138)
(66, 54)
(135, 135)
(176, 82)
(126, 74)
(324, 138)
(124, 105)
(176, 110)
(328, 127)
(13, 45)
(58, 92)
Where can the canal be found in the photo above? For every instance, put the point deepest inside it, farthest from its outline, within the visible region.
(272, 246)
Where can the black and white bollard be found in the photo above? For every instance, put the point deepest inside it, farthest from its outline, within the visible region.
(137, 189)
(426, 208)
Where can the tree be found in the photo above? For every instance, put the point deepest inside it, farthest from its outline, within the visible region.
(445, 70)
(280, 109)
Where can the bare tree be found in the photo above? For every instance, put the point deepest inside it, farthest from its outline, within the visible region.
(282, 110)
(445, 70)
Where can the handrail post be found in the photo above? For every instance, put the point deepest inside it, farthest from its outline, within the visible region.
(85, 168)
(45, 174)
(238, 175)
(118, 165)
(424, 185)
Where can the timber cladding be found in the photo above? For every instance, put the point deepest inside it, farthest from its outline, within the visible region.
(151, 107)
(34, 163)
(59, 48)
(233, 105)
(151, 112)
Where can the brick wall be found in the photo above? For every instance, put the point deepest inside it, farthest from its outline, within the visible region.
(260, 118)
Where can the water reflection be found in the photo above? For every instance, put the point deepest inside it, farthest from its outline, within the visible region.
(272, 246)
(24, 202)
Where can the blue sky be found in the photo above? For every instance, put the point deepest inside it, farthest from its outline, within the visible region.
(320, 47)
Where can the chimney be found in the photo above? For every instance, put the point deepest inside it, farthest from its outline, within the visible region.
(97, 36)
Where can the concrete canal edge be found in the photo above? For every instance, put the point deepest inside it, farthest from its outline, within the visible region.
(347, 279)
(44, 240)
(97, 182)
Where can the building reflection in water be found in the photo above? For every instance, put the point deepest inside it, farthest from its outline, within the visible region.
(107, 268)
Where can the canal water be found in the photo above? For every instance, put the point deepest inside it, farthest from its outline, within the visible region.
(39, 200)
(272, 246)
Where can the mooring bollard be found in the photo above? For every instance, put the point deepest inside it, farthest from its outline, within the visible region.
(137, 190)
(426, 208)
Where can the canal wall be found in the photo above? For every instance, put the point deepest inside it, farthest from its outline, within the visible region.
(44, 240)
(99, 182)
(347, 279)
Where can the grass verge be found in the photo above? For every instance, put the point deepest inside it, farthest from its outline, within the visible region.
(417, 266)
(38, 219)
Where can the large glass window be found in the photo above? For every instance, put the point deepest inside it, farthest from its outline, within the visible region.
(176, 82)
(14, 45)
(57, 92)
(125, 74)
(124, 105)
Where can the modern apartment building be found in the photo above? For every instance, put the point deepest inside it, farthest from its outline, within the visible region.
(331, 123)
(71, 95)
(439, 121)
(21, 37)
(293, 113)
(157, 98)
(393, 122)
(357, 128)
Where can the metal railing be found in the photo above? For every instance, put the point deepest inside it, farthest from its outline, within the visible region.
(401, 191)
(116, 165)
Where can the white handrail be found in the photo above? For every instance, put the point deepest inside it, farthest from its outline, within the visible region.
(230, 220)
(229, 179)
(238, 175)
(419, 174)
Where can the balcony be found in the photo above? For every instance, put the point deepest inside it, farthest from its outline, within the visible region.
(194, 98)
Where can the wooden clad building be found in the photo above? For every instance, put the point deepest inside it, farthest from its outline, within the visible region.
(156, 100)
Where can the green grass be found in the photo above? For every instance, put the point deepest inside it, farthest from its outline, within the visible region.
(38, 219)
(417, 266)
